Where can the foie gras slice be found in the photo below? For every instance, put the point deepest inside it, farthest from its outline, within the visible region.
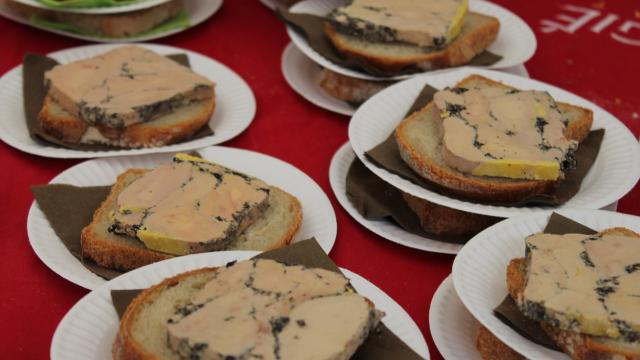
(189, 205)
(125, 86)
(502, 132)
(425, 23)
(586, 284)
(267, 310)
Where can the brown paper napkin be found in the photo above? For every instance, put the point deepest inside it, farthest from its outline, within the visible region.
(69, 209)
(376, 199)
(34, 91)
(381, 343)
(312, 28)
(508, 311)
(387, 156)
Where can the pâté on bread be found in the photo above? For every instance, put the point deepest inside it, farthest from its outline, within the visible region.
(187, 205)
(483, 140)
(583, 291)
(258, 309)
(395, 35)
(128, 97)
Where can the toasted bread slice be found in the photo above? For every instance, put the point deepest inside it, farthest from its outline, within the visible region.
(352, 90)
(275, 228)
(168, 129)
(143, 334)
(578, 346)
(478, 33)
(442, 220)
(420, 145)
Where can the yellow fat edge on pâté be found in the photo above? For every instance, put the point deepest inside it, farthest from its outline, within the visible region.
(191, 158)
(458, 21)
(163, 243)
(519, 169)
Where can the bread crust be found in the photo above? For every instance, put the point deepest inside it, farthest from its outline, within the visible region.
(125, 346)
(578, 346)
(349, 89)
(480, 188)
(68, 128)
(460, 51)
(125, 256)
(442, 220)
(491, 348)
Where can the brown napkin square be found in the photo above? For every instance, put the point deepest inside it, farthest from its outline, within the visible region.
(34, 91)
(381, 343)
(312, 27)
(69, 209)
(376, 199)
(508, 311)
(387, 156)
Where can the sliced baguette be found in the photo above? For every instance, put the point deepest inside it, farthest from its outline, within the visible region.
(420, 145)
(578, 346)
(168, 129)
(478, 33)
(352, 90)
(275, 228)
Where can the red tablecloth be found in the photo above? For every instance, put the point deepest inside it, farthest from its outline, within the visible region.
(595, 55)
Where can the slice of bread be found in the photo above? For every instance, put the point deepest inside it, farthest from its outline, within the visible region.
(168, 129)
(276, 228)
(420, 145)
(352, 90)
(121, 25)
(578, 346)
(143, 328)
(491, 348)
(478, 33)
(442, 220)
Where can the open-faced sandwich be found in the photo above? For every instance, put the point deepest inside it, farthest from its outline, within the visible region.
(188, 205)
(393, 35)
(166, 15)
(485, 141)
(128, 97)
(583, 290)
(252, 309)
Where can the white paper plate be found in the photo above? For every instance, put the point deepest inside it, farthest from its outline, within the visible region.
(235, 105)
(452, 327)
(89, 328)
(516, 41)
(145, 4)
(387, 229)
(614, 173)
(197, 12)
(302, 74)
(319, 219)
(479, 270)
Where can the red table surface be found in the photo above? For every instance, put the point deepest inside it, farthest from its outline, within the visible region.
(597, 60)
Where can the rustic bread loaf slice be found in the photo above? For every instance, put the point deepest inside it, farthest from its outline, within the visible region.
(121, 25)
(275, 228)
(442, 220)
(168, 129)
(419, 141)
(352, 90)
(578, 346)
(303, 321)
(478, 33)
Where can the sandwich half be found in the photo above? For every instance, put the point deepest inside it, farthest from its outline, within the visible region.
(187, 206)
(400, 34)
(534, 148)
(239, 312)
